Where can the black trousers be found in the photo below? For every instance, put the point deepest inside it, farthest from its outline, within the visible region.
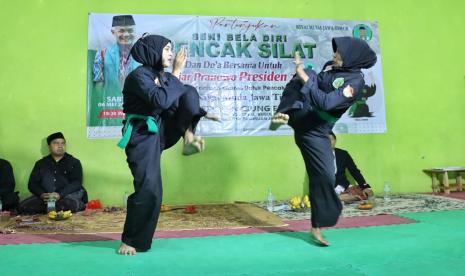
(10, 201)
(311, 136)
(35, 205)
(143, 156)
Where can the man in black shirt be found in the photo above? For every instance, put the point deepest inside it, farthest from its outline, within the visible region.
(344, 161)
(58, 177)
(8, 196)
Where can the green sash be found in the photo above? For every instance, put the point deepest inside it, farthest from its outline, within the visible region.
(127, 130)
(327, 117)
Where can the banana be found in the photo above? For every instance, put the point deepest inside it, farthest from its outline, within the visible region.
(52, 214)
(295, 202)
(60, 214)
(306, 202)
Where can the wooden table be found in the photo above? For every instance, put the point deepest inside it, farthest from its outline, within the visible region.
(445, 178)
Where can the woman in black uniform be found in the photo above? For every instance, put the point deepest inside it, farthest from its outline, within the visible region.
(311, 104)
(159, 110)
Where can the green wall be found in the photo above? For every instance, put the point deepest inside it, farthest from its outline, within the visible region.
(43, 84)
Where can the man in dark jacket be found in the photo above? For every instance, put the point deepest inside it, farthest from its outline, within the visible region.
(8, 196)
(344, 162)
(56, 177)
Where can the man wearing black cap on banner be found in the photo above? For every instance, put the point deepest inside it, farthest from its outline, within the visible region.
(58, 177)
(113, 64)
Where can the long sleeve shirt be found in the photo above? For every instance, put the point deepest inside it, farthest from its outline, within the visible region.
(344, 161)
(142, 96)
(7, 179)
(63, 177)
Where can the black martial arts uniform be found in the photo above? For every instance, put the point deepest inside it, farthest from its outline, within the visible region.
(8, 196)
(345, 162)
(313, 110)
(63, 177)
(174, 107)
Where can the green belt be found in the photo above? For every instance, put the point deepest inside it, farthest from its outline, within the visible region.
(354, 107)
(327, 117)
(127, 130)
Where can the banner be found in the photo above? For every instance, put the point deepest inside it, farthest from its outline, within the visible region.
(240, 66)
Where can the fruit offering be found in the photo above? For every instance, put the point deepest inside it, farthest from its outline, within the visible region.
(365, 206)
(306, 202)
(295, 202)
(61, 215)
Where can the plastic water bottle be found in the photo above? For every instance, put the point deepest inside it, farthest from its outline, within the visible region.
(50, 204)
(1, 206)
(125, 202)
(386, 191)
(270, 201)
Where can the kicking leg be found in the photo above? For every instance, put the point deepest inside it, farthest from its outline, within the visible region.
(278, 120)
(192, 144)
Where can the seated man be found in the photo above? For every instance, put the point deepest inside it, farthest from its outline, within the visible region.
(57, 176)
(344, 161)
(8, 197)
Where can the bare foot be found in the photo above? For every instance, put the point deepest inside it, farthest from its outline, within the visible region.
(212, 117)
(188, 136)
(195, 146)
(192, 144)
(278, 120)
(317, 237)
(125, 249)
(201, 142)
